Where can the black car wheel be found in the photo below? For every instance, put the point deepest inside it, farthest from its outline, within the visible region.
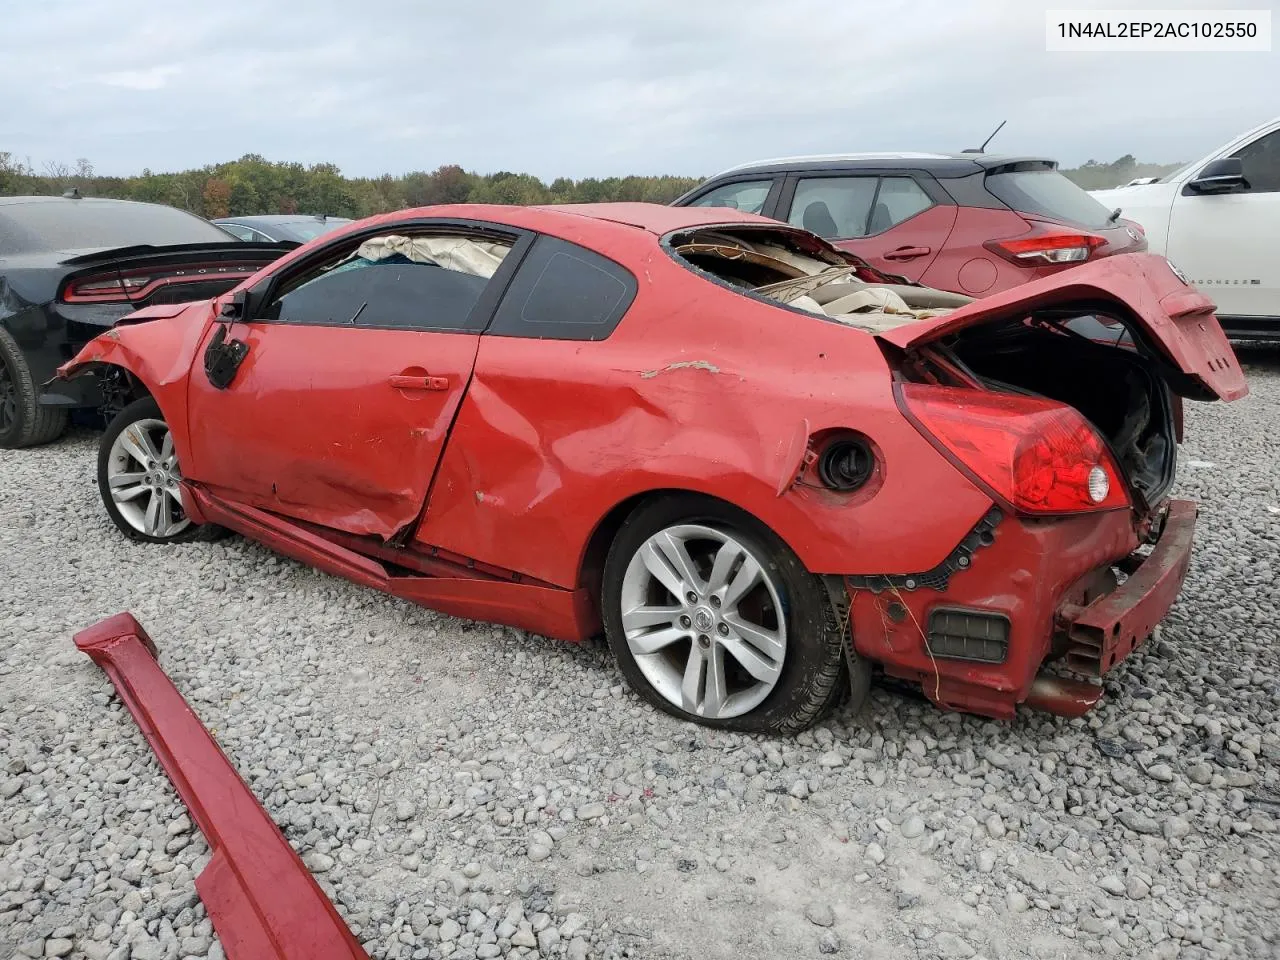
(23, 421)
(714, 619)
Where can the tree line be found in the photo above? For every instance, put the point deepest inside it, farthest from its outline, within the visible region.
(254, 185)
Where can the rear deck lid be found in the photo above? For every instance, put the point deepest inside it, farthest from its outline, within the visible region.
(1173, 318)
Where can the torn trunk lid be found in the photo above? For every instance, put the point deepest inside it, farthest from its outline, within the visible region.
(1174, 320)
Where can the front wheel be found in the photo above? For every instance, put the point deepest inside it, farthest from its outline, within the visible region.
(139, 477)
(714, 619)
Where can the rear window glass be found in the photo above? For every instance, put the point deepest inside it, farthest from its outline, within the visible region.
(48, 225)
(1047, 193)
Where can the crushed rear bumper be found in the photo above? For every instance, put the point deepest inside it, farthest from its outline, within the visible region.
(1104, 632)
(263, 901)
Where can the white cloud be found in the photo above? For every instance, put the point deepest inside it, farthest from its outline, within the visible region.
(152, 78)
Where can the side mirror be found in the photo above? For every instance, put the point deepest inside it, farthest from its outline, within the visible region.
(1220, 176)
(244, 305)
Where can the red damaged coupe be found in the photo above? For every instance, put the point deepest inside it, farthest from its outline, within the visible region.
(762, 467)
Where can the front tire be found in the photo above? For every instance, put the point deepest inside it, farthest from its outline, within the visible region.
(139, 477)
(24, 422)
(714, 619)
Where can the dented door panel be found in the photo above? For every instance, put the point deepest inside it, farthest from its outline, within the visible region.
(342, 427)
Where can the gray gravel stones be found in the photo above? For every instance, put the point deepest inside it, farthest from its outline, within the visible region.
(471, 791)
(819, 914)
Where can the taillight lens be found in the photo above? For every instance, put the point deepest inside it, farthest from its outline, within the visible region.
(1037, 455)
(105, 289)
(1049, 248)
(129, 287)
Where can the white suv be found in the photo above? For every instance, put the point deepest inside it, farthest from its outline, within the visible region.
(1218, 220)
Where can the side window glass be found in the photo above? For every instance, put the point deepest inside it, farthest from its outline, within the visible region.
(1261, 160)
(564, 292)
(747, 196)
(241, 233)
(833, 207)
(899, 199)
(419, 282)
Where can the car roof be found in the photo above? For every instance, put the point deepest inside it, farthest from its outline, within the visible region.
(269, 218)
(944, 165)
(656, 218)
(95, 201)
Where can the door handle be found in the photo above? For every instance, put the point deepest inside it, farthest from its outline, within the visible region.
(402, 381)
(908, 253)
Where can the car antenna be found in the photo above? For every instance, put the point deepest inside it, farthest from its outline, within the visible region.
(982, 148)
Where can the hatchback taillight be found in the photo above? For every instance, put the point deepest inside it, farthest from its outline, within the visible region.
(1049, 248)
(1037, 455)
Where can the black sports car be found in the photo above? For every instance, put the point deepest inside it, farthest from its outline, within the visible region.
(72, 266)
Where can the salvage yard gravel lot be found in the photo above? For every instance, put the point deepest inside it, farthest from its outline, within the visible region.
(466, 790)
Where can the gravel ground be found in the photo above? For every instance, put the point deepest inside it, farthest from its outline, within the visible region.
(465, 790)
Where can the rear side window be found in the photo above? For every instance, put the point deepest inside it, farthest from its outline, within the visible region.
(1044, 192)
(834, 206)
(564, 292)
(899, 199)
(747, 196)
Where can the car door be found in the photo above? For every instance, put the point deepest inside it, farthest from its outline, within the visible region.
(1227, 243)
(889, 221)
(357, 359)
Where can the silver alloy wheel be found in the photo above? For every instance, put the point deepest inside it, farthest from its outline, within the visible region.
(143, 476)
(704, 621)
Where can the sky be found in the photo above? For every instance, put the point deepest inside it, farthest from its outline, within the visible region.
(579, 89)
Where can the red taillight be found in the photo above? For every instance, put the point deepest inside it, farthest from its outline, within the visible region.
(132, 286)
(105, 289)
(1052, 248)
(1037, 455)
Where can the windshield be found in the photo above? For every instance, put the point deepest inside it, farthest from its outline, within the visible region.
(43, 226)
(305, 230)
(1044, 192)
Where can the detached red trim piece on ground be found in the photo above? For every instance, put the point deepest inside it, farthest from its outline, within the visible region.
(260, 896)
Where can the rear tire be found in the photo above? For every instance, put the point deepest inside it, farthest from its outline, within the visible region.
(23, 421)
(751, 641)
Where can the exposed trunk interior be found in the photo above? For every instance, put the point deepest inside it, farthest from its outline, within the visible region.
(1119, 391)
(1075, 356)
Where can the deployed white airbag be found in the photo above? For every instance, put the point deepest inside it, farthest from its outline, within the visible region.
(479, 258)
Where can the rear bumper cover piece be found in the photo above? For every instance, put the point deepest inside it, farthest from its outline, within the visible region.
(1052, 582)
(1106, 631)
(263, 901)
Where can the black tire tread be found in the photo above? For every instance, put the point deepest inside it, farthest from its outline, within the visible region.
(38, 424)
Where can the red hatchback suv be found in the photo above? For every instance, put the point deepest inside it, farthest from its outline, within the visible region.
(970, 223)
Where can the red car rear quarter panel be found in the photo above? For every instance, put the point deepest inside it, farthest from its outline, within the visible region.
(699, 389)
